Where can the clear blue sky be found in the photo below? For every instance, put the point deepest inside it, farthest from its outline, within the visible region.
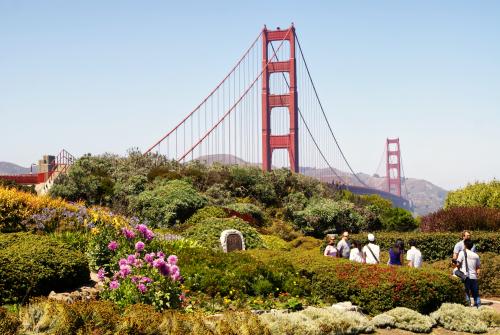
(105, 76)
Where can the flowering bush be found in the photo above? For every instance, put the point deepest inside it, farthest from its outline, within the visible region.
(142, 276)
(462, 218)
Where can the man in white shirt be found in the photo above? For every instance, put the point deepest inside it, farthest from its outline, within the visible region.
(343, 247)
(470, 264)
(414, 256)
(466, 235)
(371, 251)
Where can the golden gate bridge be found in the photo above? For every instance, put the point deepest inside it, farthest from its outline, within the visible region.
(265, 112)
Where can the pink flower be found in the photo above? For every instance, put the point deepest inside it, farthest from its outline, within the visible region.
(124, 270)
(172, 259)
(175, 276)
(131, 259)
(148, 235)
(142, 228)
(122, 261)
(174, 269)
(146, 280)
(142, 288)
(128, 233)
(160, 254)
(182, 297)
(114, 285)
(101, 274)
(149, 257)
(158, 263)
(113, 245)
(139, 246)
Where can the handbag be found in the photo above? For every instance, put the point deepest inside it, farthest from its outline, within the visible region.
(459, 273)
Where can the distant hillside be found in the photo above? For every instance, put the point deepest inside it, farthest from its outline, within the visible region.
(11, 168)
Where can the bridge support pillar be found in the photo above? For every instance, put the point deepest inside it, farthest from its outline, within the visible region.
(269, 101)
(393, 166)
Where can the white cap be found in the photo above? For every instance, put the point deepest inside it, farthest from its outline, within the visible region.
(371, 237)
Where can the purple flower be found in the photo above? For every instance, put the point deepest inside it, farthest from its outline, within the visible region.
(149, 257)
(158, 263)
(175, 276)
(139, 246)
(124, 271)
(146, 280)
(160, 254)
(148, 235)
(128, 233)
(131, 259)
(174, 269)
(101, 274)
(114, 285)
(142, 288)
(122, 261)
(172, 259)
(165, 269)
(135, 279)
(142, 228)
(113, 245)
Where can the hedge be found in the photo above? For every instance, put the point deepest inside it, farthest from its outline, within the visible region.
(435, 246)
(375, 288)
(462, 218)
(32, 265)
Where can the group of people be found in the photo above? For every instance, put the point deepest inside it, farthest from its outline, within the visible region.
(465, 260)
(370, 253)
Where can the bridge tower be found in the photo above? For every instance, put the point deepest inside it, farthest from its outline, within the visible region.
(393, 166)
(289, 100)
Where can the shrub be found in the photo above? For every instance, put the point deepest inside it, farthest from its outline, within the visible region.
(407, 319)
(283, 230)
(384, 321)
(306, 243)
(462, 218)
(317, 321)
(489, 281)
(206, 213)
(459, 318)
(208, 232)
(436, 246)
(375, 288)
(168, 202)
(475, 195)
(32, 265)
(274, 243)
(322, 216)
(489, 316)
(8, 322)
(398, 219)
(248, 212)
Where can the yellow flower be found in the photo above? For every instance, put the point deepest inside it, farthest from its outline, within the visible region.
(94, 231)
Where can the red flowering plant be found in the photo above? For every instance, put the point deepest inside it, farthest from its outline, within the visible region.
(139, 275)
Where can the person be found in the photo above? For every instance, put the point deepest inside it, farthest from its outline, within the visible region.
(330, 249)
(371, 251)
(414, 256)
(395, 254)
(470, 264)
(355, 254)
(466, 235)
(343, 246)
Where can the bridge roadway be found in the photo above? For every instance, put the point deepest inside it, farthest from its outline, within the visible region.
(397, 201)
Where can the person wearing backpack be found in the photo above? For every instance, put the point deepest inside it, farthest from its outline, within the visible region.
(470, 265)
(371, 251)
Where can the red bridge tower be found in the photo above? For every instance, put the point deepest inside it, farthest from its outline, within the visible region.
(393, 166)
(269, 101)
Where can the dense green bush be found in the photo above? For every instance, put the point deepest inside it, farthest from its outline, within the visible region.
(322, 216)
(206, 213)
(475, 195)
(208, 232)
(375, 288)
(32, 265)
(462, 218)
(398, 219)
(248, 212)
(489, 280)
(435, 246)
(168, 202)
